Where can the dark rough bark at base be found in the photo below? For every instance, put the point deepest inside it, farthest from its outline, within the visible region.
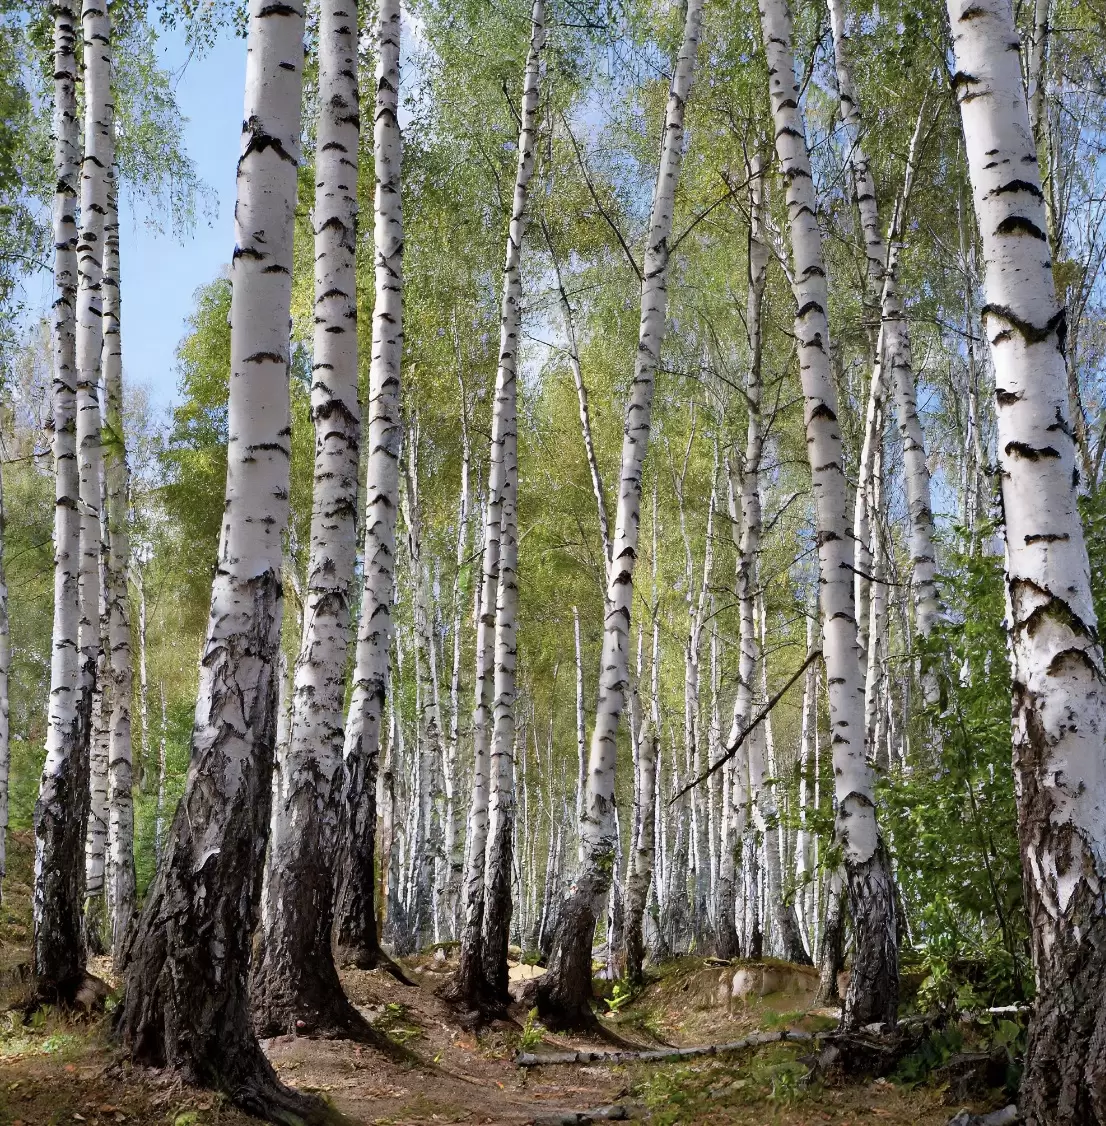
(832, 955)
(1064, 1077)
(564, 992)
(60, 822)
(727, 944)
(873, 995)
(497, 915)
(633, 937)
(789, 936)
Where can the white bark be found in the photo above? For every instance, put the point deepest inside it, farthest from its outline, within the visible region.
(95, 170)
(598, 825)
(117, 479)
(60, 811)
(212, 866)
(873, 989)
(581, 730)
(138, 578)
(385, 438)
(159, 816)
(295, 984)
(1059, 707)
(494, 720)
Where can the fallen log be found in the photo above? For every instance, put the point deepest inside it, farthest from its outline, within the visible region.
(615, 1113)
(660, 1055)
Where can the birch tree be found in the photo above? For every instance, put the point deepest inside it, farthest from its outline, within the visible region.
(482, 974)
(60, 812)
(187, 964)
(1055, 656)
(5, 666)
(95, 169)
(564, 991)
(873, 987)
(121, 874)
(355, 933)
(295, 985)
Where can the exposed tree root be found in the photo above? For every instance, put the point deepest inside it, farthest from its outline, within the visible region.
(1007, 1116)
(659, 1055)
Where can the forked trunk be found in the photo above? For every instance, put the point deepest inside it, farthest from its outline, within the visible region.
(873, 990)
(564, 992)
(187, 962)
(1055, 656)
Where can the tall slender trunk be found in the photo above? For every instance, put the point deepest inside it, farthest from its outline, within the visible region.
(454, 829)
(95, 170)
(61, 810)
(99, 739)
(355, 923)
(641, 860)
(121, 873)
(482, 974)
(295, 986)
(1055, 656)
(565, 990)
(93, 692)
(581, 730)
(873, 990)
(143, 763)
(187, 962)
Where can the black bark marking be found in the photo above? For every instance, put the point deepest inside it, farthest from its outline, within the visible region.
(1020, 225)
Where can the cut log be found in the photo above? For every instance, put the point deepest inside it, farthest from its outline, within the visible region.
(660, 1055)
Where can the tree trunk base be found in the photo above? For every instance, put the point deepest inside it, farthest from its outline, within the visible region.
(80, 993)
(369, 958)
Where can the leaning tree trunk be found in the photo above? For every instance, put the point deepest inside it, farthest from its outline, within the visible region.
(1056, 659)
(490, 815)
(355, 925)
(873, 989)
(61, 809)
(121, 875)
(95, 169)
(295, 987)
(187, 964)
(564, 992)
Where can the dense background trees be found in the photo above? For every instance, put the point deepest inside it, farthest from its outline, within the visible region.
(811, 283)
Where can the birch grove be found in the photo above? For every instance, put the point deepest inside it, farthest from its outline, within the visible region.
(631, 698)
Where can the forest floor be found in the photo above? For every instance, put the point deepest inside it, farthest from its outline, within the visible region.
(57, 1071)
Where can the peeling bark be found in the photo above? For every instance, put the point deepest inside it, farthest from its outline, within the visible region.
(187, 962)
(1059, 702)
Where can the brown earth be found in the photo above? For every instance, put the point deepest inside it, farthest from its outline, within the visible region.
(62, 1071)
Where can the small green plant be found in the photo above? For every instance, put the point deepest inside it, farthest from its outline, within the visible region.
(620, 997)
(532, 1032)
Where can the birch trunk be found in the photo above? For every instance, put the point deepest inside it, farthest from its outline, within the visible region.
(61, 810)
(95, 169)
(143, 763)
(355, 925)
(159, 815)
(1055, 656)
(187, 962)
(121, 874)
(99, 739)
(487, 920)
(295, 988)
(454, 830)
(873, 989)
(641, 862)
(564, 992)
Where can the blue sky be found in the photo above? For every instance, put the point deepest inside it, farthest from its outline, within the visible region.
(161, 272)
